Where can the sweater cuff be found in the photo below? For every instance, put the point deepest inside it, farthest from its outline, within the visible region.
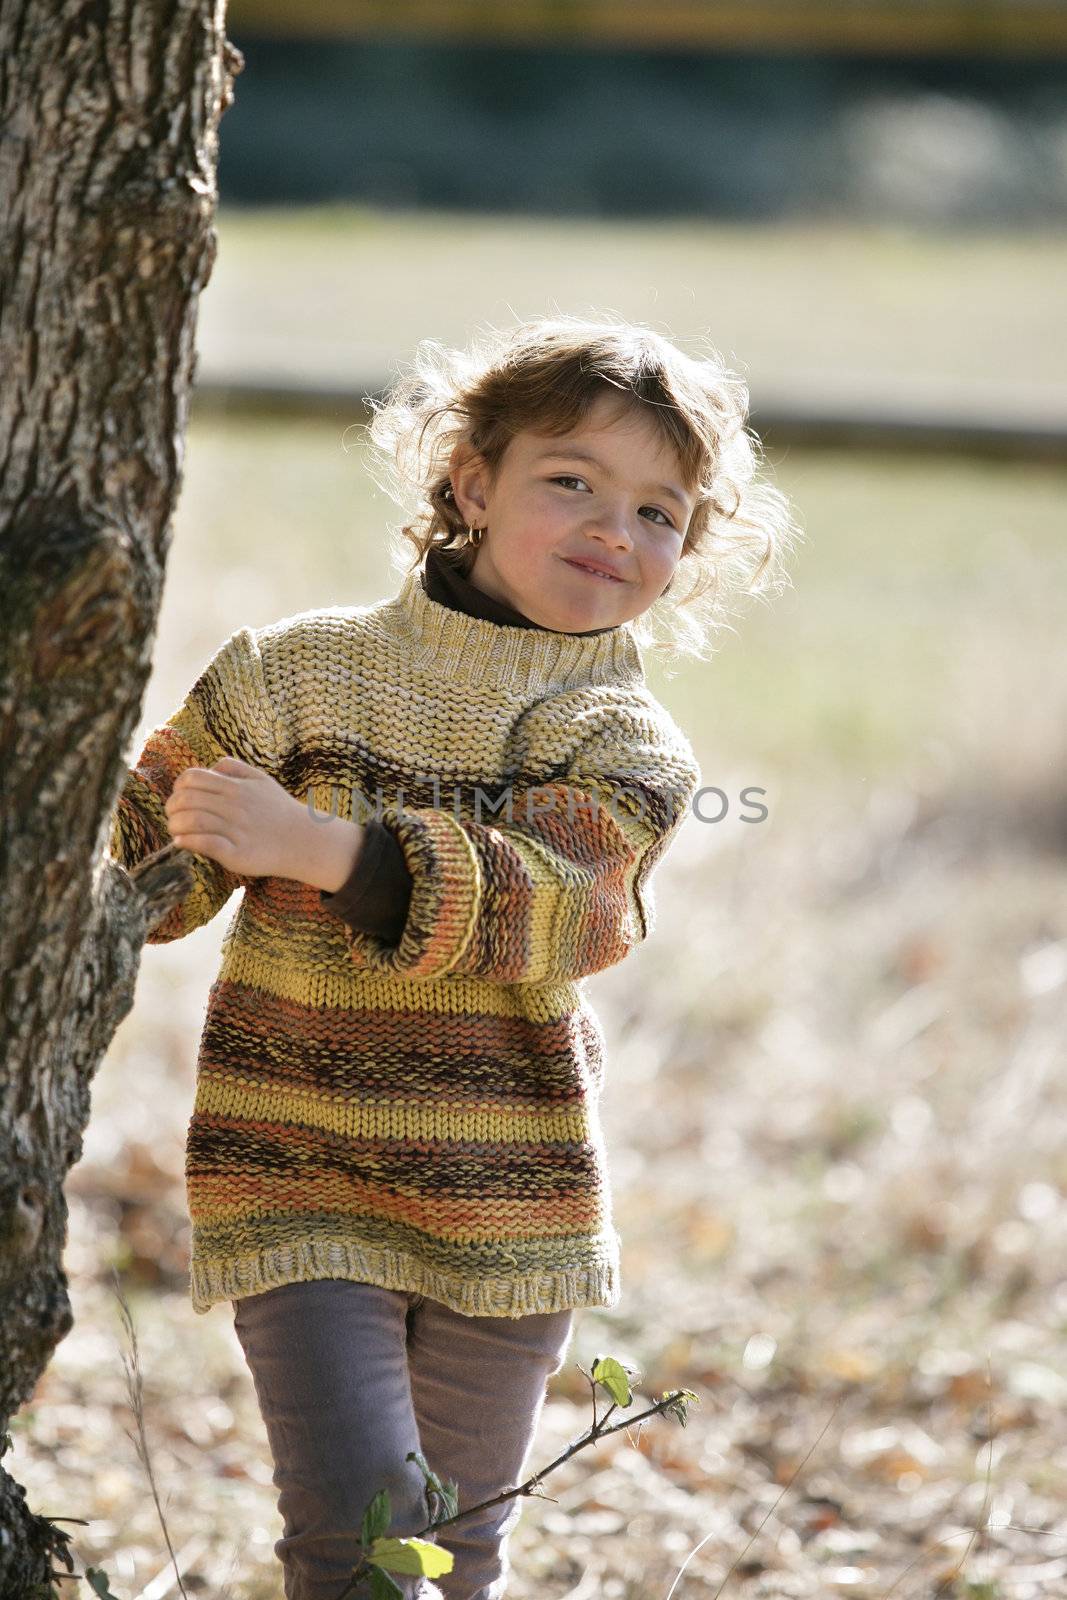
(446, 893)
(376, 895)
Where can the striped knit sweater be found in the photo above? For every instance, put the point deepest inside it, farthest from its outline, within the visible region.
(419, 1111)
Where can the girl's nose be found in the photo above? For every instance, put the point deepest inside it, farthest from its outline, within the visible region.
(612, 525)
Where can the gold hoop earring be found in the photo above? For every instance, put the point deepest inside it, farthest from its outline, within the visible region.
(475, 536)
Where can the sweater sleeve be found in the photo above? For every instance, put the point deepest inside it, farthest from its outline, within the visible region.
(227, 712)
(560, 887)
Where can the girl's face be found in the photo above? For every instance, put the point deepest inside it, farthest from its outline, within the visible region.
(609, 495)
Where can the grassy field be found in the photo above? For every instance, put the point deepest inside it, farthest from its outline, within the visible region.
(804, 310)
(835, 1106)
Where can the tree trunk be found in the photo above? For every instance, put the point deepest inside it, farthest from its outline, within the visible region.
(109, 112)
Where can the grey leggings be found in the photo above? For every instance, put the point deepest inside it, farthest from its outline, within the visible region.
(349, 1378)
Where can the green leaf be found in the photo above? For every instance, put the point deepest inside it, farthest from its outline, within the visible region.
(98, 1583)
(382, 1586)
(679, 1406)
(375, 1518)
(411, 1555)
(442, 1500)
(612, 1375)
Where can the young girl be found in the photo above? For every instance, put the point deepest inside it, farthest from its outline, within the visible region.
(444, 810)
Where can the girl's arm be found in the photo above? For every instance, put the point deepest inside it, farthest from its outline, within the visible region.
(560, 890)
(226, 713)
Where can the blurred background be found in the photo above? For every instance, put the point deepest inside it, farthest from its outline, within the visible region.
(835, 1103)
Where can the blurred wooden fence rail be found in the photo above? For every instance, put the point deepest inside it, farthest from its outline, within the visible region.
(1025, 435)
(909, 27)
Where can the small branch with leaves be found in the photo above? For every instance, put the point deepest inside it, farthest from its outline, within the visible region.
(416, 1556)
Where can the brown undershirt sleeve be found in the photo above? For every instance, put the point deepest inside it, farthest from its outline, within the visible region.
(377, 892)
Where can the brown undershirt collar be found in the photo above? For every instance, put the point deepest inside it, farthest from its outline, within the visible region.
(444, 582)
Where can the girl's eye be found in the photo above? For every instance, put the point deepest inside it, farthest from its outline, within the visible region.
(567, 477)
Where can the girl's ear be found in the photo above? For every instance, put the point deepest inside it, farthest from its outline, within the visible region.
(470, 478)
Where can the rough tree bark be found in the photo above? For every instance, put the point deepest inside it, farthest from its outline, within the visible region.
(109, 115)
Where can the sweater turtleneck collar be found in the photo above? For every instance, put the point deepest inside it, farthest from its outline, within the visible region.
(456, 643)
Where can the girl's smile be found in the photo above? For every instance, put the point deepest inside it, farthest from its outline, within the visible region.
(582, 530)
(595, 570)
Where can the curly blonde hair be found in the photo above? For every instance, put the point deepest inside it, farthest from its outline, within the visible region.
(544, 374)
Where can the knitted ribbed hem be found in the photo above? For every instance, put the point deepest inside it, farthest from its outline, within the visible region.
(212, 1281)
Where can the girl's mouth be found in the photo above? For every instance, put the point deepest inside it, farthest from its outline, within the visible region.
(591, 572)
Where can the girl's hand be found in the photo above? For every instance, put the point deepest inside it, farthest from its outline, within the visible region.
(240, 816)
(232, 813)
